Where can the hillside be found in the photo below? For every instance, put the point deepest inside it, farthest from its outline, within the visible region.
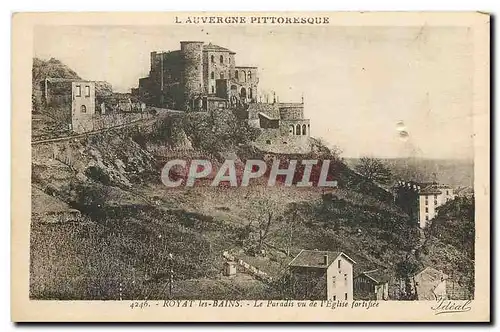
(103, 221)
(128, 221)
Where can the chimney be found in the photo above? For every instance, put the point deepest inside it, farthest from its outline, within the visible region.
(325, 259)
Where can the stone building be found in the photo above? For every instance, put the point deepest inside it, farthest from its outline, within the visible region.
(70, 101)
(321, 275)
(205, 77)
(186, 78)
(283, 127)
(420, 200)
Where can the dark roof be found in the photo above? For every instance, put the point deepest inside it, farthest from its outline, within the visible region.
(215, 48)
(314, 258)
(433, 189)
(378, 276)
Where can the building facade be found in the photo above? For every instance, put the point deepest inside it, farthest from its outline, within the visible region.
(71, 101)
(321, 275)
(421, 200)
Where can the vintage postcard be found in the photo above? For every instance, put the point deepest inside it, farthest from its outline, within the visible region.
(251, 167)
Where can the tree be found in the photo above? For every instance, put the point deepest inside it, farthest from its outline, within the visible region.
(265, 213)
(405, 271)
(373, 169)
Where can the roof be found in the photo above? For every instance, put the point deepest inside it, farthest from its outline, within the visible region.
(245, 67)
(431, 273)
(424, 188)
(314, 258)
(58, 79)
(215, 48)
(378, 276)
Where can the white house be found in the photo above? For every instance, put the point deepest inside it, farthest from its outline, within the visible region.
(322, 275)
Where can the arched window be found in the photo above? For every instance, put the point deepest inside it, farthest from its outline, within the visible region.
(212, 58)
(221, 76)
(249, 75)
(83, 109)
(221, 59)
(236, 74)
(297, 130)
(292, 130)
(303, 129)
(212, 75)
(244, 76)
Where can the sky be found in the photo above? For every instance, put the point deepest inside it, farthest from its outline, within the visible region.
(362, 85)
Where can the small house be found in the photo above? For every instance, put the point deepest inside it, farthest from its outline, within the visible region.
(229, 268)
(372, 285)
(321, 275)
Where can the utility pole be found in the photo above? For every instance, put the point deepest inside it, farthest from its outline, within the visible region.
(171, 273)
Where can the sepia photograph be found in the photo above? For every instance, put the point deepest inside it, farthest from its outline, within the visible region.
(247, 160)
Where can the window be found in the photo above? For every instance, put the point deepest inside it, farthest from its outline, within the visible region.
(426, 210)
(427, 218)
(334, 281)
(83, 109)
(78, 92)
(221, 59)
(249, 75)
(297, 130)
(338, 264)
(303, 129)
(213, 89)
(426, 202)
(335, 298)
(447, 192)
(212, 75)
(346, 296)
(236, 74)
(87, 91)
(268, 141)
(221, 76)
(212, 58)
(345, 277)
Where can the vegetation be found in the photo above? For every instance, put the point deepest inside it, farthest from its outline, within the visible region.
(374, 170)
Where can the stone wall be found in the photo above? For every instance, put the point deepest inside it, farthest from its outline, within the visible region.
(273, 140)
(87, 123)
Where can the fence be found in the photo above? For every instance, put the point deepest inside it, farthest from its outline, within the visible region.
(258, 274)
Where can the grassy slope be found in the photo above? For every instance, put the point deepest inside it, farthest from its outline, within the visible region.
(139, 222)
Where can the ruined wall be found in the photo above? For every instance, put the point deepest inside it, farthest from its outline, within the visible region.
(248, 80)
(97, 122)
